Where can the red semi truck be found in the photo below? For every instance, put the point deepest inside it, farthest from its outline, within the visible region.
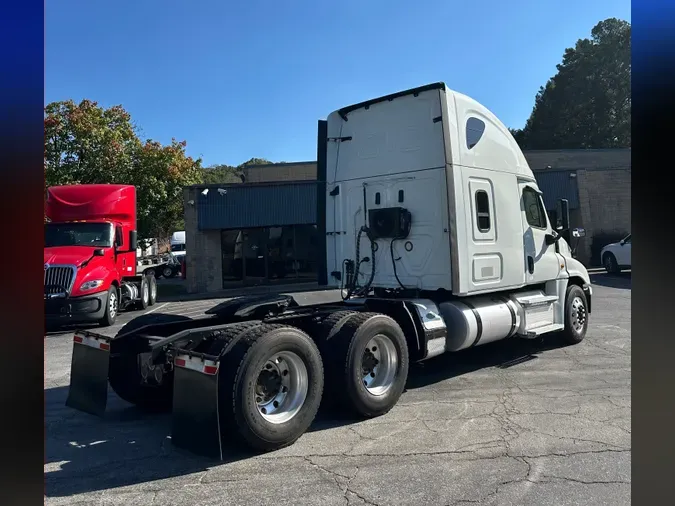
(90, 255)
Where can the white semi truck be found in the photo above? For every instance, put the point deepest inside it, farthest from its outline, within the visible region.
(436, 240)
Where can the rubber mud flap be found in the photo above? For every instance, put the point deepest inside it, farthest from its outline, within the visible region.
(194, 418)
(88, 390)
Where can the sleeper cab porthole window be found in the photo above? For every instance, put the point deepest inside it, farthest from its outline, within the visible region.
(474, 131)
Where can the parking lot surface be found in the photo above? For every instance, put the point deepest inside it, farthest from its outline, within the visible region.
(516, 422)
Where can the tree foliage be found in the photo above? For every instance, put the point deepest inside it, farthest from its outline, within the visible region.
(86, 143)
(164, 171)
(587, 104)
(227, 174)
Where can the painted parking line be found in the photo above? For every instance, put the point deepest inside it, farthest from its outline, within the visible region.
(157, 308)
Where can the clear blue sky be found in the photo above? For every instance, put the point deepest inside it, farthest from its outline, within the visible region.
(244, 79)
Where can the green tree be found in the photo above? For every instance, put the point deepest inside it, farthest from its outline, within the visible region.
(220, 174)
(86, 143)
(227, 174)
(587, 104)
(254, 161)
(162, 172)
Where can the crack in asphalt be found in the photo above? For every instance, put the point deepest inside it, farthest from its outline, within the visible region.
(345, 487)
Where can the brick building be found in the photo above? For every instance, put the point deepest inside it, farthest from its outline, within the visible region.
(275, 211)
(597, 183)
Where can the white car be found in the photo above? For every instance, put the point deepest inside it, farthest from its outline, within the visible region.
(616, 256)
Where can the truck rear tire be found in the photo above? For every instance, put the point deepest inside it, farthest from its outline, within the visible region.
(369, 362)
(124, 374)
(270, 387)
(331, 325)
(144, 293)
(576, 315)
(152, 281)
(112, 306)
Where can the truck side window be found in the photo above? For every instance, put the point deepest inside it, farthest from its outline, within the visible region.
(482, 211)
(119, 237)
(474, 131)
(534, 210)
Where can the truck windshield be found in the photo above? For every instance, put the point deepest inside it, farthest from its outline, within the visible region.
(99, 235)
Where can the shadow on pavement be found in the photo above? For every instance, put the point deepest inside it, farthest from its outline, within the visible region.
(620, 281)
(501, 354)
(127, 447)
(60, 330)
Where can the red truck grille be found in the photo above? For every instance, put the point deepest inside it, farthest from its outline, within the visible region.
(59, 279)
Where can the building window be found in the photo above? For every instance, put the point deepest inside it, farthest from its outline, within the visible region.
(534, 209)
(474, 131)
(482, 211)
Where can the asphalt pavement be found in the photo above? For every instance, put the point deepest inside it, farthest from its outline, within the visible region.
(512, 423)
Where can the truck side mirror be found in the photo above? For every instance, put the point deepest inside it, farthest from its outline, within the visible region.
(579, 232)
(563, 214)
(133, 240)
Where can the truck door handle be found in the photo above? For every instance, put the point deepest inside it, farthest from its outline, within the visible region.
(530, 264)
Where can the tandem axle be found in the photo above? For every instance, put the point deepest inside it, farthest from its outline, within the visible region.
(260, 366)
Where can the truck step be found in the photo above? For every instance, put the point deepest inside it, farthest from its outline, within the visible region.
(536, 300)
(538, 310)
(544, 329)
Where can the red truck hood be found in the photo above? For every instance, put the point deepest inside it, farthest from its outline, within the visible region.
(68, 255)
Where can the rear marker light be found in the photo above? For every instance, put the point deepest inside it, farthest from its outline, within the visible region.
(92, 341)
(205, 367)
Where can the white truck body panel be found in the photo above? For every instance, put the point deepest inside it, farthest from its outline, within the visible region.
(402, 150)
(432, 151)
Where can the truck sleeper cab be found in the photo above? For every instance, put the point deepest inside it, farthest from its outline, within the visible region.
(436, 240)
(90, 255)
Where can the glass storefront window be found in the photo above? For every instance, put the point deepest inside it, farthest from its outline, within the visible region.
(276, 255)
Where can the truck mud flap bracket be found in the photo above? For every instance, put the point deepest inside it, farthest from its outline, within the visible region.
(195, 424)
(88, 390)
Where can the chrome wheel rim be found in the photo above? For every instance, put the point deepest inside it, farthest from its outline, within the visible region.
(113, 304)
(153, 290)
(281, 387)
(167, 272)
(378, 365)
(146, 293)
(578, 314)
